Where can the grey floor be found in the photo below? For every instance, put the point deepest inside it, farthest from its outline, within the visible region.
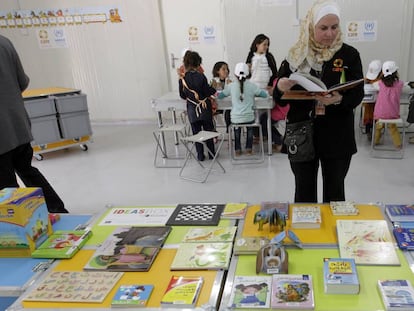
(118, 169)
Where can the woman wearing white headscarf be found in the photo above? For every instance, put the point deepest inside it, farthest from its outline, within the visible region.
(321, 52)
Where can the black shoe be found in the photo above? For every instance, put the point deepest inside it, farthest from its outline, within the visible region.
(211, 157)
(201, 157)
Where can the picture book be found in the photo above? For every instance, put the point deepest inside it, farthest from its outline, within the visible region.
(62, 244)
(396, 294)
(282, 207)
(210, 234)
(403, 224)
(129, 249)
(131, 296)
(369, 242)
(292, 291)
(306, 217)
(312, 85)
(340, 276)
(234, 211)
(404, 238)
(202, 256)
(399, 212)
(249, 245)
(182, 291)
(250, 292)
(66, 286)
(343, 208)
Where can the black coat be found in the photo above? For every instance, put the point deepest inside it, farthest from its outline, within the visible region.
(197, 81)
(334, 134)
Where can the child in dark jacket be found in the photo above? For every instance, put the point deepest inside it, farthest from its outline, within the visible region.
(195, 89)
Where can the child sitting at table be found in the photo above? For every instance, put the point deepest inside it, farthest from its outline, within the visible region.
(242, 93)
(372, 77)
(220, 80)
(387, 105)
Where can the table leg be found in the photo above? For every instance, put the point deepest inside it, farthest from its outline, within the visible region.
(174, 121)
(269, 132)
(162, 140)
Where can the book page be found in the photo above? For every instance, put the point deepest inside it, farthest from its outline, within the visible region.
(345, 86)
(308, 82)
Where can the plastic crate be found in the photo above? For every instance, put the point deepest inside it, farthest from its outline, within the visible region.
(40, 107)
(71, 103)
(45, 130)
(75, 124)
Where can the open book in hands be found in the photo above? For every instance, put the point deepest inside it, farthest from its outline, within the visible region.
(313, 85)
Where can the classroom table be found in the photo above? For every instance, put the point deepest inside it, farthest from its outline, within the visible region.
(158, 275)
(319, 244)
(172, 102)
(17, 274)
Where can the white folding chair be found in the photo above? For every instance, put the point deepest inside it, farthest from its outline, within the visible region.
(385, 149)
(257, 157)
(163, 157)
(197, 174)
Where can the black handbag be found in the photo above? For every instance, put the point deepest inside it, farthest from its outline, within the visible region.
(299, 141)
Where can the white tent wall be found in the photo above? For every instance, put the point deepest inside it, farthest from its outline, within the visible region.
(244, 19)
(121, 66)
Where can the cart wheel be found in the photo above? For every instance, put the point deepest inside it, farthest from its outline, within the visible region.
(84, 147)
(38, 157)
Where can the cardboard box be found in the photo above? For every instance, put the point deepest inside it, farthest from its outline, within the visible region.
(24, 221)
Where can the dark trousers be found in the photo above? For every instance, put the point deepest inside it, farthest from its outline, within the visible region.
(19, 161)
(276, 136)
(206, 125)
(333, 176)
(237, 136)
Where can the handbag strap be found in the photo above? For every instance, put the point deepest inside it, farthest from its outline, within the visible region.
(200, 104)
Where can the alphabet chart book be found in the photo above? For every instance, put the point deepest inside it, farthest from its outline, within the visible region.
(69, 286)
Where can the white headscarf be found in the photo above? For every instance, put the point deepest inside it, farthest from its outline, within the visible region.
(307, 54)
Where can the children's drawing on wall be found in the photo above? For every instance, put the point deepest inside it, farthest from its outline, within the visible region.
(59, 16)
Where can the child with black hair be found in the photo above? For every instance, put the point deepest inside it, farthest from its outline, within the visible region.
(220, 80)
(242, 93)
(261, 62)
(387, 105)
(195, 89)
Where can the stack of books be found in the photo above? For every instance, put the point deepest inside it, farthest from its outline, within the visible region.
(400, 215)
(340, 276)
(306, 217)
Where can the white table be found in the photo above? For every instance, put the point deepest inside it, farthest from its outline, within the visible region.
(172, 102)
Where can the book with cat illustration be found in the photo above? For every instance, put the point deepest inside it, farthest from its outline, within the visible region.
(129, 249)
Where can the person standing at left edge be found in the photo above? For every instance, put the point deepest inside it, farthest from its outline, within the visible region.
(15, 130)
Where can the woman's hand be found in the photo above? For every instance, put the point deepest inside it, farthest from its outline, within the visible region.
(285, 84)
(333, 98)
